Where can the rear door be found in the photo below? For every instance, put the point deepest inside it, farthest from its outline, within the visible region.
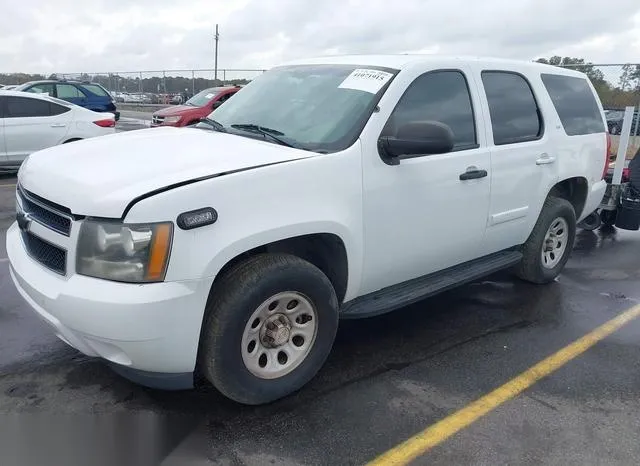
(32, 124)
(523, 164)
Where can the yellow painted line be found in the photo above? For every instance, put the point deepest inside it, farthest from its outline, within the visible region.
(7, 185)
(434, 435)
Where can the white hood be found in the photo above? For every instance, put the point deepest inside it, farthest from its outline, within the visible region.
(100, 176)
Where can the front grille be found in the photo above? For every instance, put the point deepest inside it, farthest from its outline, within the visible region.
(157, 120)
(52, 257)
(44, 214)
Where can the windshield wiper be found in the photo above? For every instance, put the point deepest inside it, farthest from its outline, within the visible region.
(272, 133)
(214, 124)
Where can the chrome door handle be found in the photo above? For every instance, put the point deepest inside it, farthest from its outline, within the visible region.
(58, 125)
(545, 159)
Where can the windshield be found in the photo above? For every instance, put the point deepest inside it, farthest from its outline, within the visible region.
(202, 98)
(315, 107)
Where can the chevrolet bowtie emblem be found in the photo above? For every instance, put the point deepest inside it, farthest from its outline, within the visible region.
(23, 221)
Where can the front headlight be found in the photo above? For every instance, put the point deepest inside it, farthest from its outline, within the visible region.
(172, 119)
(133, 253)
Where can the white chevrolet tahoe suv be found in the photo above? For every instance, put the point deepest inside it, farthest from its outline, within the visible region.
(331, 188)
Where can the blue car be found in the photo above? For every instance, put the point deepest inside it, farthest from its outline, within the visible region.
(85, 94)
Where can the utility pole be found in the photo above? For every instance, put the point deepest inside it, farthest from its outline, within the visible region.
(215, 76)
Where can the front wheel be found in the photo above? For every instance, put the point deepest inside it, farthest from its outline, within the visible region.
(549, 246)
(269, 327)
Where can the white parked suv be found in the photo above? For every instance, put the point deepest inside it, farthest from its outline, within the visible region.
(340, 187)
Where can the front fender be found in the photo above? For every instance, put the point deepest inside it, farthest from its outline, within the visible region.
(319, 194)
(262, 238)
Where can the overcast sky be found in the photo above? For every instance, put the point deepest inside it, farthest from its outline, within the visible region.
(127, 35)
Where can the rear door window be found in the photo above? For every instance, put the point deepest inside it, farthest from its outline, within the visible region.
(515, 116)
(24, 107)
(67, 91)
(574, 101)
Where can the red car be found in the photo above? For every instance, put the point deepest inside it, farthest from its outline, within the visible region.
(197, 107)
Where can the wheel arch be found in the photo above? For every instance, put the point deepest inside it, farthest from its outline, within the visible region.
(325, 249)
(575, 190)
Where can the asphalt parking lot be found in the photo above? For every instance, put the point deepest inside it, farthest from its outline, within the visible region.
(387, 379)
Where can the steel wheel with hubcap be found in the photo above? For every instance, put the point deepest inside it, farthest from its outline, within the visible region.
(549, 245)
(279, 335)
(269, 326)
(555, 243)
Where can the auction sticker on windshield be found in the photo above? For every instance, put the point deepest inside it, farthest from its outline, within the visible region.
(366, 80)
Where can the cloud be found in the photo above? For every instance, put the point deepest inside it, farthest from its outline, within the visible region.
(120, 35)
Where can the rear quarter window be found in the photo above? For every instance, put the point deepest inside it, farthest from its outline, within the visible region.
(97, 90)
(575, 103)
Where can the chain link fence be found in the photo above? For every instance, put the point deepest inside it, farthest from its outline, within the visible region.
(165, 86)
(152, 87)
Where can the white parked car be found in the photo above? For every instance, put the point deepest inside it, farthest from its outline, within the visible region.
(331, 188)
(31, 122)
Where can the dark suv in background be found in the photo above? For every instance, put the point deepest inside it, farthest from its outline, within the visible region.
(85, 94)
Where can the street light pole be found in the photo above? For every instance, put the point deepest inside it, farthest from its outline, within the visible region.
(217, 36)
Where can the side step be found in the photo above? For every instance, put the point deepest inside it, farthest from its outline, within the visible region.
(403, 294)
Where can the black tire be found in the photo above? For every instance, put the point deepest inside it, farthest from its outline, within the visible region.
(233, 300)
(531, 268)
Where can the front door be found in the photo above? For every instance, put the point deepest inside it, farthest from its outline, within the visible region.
(420, 216)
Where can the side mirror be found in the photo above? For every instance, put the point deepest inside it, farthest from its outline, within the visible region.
(414, 139)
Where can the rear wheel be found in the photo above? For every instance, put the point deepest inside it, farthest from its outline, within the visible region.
(269, 327)
(549, 246)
